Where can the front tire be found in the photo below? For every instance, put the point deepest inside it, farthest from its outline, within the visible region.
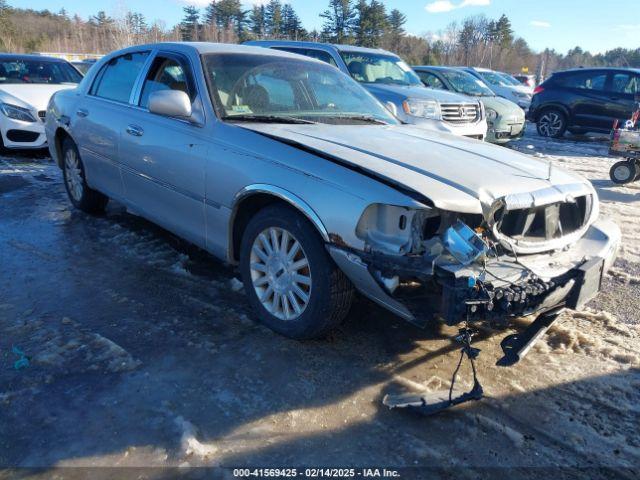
(552, 123)
(81, 196)
(292, 283)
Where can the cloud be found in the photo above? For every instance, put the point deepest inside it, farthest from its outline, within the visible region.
(195, 3)
(442, 6)
(540, 24)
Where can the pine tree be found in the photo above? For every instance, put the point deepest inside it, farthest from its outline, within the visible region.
(339, 22)
(371, 23)
(190, 26)
(257, 19)
(396, 22)
(273, 19)
(101, 19)
(291, 25)
(504, 32)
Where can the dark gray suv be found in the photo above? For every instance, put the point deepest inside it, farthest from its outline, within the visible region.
(584, 100)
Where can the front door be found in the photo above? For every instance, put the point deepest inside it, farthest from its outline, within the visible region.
(623, 88)
(163, 158)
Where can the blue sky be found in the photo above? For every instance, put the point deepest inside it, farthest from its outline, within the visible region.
(595, 25)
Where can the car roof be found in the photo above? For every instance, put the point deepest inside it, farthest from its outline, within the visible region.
(203, 48)
(4, 57)
(319, 46)
(603, 69)
(433, 67)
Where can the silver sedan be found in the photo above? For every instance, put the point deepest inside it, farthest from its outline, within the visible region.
(289, 169)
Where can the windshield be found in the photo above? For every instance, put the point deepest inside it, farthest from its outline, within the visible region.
(379, 68)
(247, 87)
(38, 71)
(510, 80)
(466, 83)
(494, 78)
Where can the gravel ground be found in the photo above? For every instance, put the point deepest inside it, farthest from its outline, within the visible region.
(142, 354)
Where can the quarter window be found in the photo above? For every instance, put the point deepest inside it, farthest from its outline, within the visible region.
(625, 83)
(116, 80)
(166, 74)
(584, 80)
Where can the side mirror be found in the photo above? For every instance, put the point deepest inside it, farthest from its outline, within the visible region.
(392, 108)
(170, 103)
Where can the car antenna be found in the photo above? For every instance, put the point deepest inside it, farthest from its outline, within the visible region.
(549, 172)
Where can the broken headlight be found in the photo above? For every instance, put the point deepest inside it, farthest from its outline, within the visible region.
(396, 230)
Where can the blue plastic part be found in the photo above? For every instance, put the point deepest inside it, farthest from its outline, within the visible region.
(463, 243)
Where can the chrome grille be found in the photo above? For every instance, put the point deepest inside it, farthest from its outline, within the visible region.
(460, 112)
(42, 114)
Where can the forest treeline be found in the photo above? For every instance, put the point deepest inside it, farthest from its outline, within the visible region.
(476, 41)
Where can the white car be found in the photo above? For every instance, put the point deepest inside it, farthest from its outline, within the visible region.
(503, 87)
(27, 82)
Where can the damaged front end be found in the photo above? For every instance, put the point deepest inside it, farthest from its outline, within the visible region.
(534, 253)
(525, 254)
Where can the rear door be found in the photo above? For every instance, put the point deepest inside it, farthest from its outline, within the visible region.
(164, 158)
(99, 118)
(586, 97)
(622, 88)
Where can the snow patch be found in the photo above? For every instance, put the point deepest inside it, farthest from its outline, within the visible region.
(190, 445)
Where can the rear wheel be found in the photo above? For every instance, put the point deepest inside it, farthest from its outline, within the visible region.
(625, 171)
(82, 197)
(552, 123)
(291, 282)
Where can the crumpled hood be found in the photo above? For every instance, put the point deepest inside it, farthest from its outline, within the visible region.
(30, 95)
(418, 92)
(455, 173)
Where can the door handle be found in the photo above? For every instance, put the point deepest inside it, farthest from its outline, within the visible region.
(82, 112)
(135, 130)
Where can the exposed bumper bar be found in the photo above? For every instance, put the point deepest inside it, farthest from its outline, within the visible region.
(565, 274)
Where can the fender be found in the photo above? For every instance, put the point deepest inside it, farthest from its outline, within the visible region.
(285, 195)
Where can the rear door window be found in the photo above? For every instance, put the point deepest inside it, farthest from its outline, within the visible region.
(117, 78)
(584, 80)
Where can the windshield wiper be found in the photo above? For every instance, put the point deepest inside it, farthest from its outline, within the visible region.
(362, 118)
(266, 119)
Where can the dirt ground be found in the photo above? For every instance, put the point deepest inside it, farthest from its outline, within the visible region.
(142, 353)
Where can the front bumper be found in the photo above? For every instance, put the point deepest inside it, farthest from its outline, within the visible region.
(17, 134)
(505, 132)
(476, 130)
(510, 288)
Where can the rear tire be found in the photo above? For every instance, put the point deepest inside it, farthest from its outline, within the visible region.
(81, 196)
(291, 282)
(552, 123)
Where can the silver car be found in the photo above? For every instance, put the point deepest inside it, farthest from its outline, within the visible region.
(291, 170)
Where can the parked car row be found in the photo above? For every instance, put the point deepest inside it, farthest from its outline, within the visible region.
(294, 172)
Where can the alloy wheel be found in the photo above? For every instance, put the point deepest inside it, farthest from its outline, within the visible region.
(550, 124)
(280, 273)
(73, 174)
